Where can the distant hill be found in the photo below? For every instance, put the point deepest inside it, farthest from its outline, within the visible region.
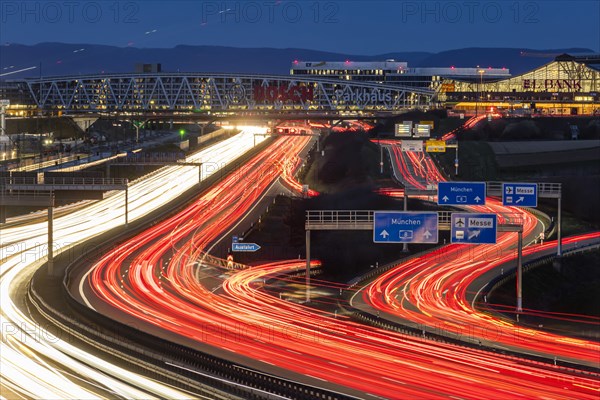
(67, 59)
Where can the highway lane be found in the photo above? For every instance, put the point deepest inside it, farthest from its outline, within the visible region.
(22, 251)
(435, 291)
(153, 258)
(245, 286)
(426, 294)
(243, 320)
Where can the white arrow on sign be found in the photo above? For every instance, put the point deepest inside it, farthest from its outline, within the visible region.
(477, 199)
(445, 198)
(427, 234)
(520, 200)
(474, 234)
(384, 234)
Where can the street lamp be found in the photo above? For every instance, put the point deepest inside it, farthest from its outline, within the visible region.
(479, 87)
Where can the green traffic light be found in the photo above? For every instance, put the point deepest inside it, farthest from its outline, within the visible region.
(182, 132)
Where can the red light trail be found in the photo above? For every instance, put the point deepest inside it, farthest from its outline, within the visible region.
(239, 317)
(433, 290)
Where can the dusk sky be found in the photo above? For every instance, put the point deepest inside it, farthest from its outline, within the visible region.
(354, 26)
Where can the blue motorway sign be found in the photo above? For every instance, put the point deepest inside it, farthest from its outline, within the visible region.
(405, 227)
(461, 193)
(472, 228)
(245, 247)
(520, 194)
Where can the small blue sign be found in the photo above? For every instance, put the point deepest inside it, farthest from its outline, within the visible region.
(235, 239)
(405, 227)
(471, 228)
(245, 247)
(461, 193)
(520, 194)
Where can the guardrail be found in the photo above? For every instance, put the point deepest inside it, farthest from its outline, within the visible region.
(363, 220)
(187, 365)
(63, 181)
(149, 158)
(339, 219)
(26, 198)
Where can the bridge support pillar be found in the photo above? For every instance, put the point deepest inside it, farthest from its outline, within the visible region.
(127, 205)
(51, 241)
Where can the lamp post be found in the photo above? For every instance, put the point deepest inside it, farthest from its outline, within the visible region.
(380, 154)
(480, 72)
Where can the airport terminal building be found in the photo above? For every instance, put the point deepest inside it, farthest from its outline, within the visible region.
(569, 85)
(394, 72)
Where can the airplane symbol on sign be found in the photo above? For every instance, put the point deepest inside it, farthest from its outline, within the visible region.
(509, 190)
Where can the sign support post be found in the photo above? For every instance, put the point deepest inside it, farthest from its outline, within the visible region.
(559, 233)
(520, 272)
(405, 245)
(456, 161)
(307, 265)
(380, 156)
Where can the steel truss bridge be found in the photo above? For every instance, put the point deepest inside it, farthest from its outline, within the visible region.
(186, 93)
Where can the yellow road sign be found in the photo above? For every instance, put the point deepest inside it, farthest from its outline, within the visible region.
(435, 146)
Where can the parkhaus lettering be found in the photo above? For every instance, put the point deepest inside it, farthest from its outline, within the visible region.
(364, 96)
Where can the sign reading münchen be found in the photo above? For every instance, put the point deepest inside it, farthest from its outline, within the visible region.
(405, 227)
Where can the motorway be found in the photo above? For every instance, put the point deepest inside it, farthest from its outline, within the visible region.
(437, 291)
(160, 278)
(26, 345)
(164, 278)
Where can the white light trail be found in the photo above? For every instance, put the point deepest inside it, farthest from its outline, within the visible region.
(23, 250)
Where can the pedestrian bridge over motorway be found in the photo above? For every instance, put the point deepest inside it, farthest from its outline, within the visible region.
(187, 93)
